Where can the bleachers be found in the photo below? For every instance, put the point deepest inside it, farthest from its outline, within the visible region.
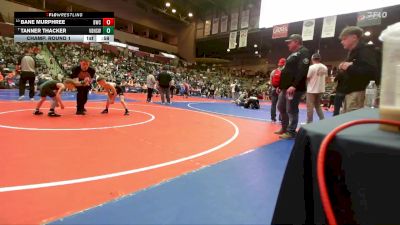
(55, 61)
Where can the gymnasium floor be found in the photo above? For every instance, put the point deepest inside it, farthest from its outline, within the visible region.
(197, 161)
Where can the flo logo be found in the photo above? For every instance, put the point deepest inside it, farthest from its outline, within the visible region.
(361, 17)
(371, 18)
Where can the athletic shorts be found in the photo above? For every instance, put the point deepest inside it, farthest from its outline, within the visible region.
(47, 92)
(119, 90)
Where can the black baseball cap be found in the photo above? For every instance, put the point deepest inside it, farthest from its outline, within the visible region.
(294, 37)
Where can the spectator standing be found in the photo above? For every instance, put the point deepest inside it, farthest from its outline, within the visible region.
(339, 94)
(27, 64)
(151, 82)
(212, 91)
(316, 77)
(292, 85)
(360, 67)
(2, 82)
(186, 89)
(164, 80)
(172, 88)
(235, 90)
(275, 79)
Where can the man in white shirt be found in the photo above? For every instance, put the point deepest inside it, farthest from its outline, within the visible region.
(315, 87)
(235, 90)
(151, 82)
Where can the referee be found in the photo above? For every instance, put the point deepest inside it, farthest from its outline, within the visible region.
(27, 65)
(84, 74)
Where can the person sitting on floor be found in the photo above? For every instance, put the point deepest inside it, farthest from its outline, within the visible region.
(242, 99)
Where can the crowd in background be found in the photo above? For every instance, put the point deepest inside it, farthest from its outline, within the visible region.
(11, 54)
(129, 71)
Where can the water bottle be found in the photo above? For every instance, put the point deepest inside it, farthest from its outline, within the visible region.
(389, 107)
(370, 95)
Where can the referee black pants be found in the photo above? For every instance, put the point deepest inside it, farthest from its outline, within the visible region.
(27, 76)
(81, 97)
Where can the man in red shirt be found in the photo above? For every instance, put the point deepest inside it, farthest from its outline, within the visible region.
(275, 80)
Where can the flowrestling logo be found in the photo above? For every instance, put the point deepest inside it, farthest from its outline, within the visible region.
(371, 18)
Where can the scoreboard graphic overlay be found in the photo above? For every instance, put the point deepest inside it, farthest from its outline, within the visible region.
(64, 26)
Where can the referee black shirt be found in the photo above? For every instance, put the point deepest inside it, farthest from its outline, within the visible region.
(77, 72)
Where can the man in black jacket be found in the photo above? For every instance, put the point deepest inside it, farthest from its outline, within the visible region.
(84, 74)
(164, 83)
(360, 67)
(292, 86)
